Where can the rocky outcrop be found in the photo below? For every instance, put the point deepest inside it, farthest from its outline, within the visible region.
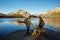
(53, 13)
(19, 13)
(2, 15)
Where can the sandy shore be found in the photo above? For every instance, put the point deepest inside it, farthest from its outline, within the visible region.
(19, 35)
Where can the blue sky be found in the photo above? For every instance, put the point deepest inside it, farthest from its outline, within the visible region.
(32, 6)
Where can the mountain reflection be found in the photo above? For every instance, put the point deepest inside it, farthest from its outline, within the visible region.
(53, 22)
(17, 22)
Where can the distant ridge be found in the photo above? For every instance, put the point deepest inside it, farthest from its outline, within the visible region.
(53, 13)
(19, 13)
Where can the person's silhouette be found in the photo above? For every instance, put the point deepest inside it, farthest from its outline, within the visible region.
(39, 29)
(28, 22)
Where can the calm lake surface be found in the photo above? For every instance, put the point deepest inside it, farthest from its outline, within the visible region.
(8, 25)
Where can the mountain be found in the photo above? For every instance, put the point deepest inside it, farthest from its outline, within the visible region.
(19, 13)
(2, 15)
(53, 13)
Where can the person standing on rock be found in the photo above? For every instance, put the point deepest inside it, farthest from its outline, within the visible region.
(40, 27)
(41, 22)
(28, 22)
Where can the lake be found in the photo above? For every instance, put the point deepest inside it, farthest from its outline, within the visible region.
(8, 25)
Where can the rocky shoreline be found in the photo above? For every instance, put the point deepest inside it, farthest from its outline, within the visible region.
(19, 35)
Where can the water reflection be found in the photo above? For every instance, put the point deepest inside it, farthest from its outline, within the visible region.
(53, 22)
(8, 25)
(15, 22)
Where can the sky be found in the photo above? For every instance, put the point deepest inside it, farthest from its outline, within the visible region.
(32, 6)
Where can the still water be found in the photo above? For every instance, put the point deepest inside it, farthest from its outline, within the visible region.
(8, 25)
